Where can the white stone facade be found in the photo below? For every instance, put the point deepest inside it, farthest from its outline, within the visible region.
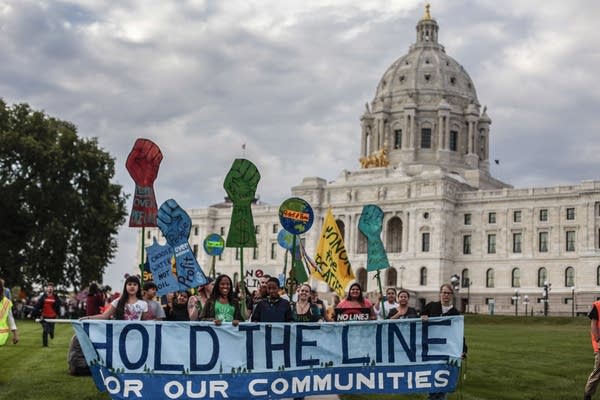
(437, 185)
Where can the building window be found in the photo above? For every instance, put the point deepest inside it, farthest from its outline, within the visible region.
(361, 277)
(517, 239)
(341, 227)
(273, 251)
(542, 276)
(275, 228)
(492, 218)
(570, 241)
(426, 138)
(467, 219)
(569, 277)
(398, 139)
(255, 253)
(464, 278)
(391, 277)
(237, 253)
(423, 276)
(394, 235)
(195, 250)
(221, 257)
(196, 230)
(467, 244)
(544, 215)
(222, 231)
(425, 242)
(453, 140)
(148, 235)
(515, 278)
(491, 244)
(489, 278)
(517, 216)
(570, 213)
(543, 242)
(598, 276)
(257, 229)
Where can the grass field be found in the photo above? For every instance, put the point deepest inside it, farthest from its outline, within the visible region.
(509, 358)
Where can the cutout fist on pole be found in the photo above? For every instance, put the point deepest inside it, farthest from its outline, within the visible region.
(240, 184)
(142, 163)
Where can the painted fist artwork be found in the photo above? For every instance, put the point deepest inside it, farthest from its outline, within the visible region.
(371, 224)
(175, 224)
(142, 163)
(240, 184)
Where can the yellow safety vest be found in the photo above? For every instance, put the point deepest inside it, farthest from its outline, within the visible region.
(5, 308)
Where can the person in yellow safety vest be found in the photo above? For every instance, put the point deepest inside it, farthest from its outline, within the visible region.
(7, 322)
(594, 378)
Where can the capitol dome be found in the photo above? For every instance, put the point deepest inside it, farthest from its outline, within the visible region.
(425, 113)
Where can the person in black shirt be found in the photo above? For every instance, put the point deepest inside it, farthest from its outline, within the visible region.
(273, 308)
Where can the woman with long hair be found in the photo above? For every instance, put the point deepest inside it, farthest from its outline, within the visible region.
(197, 302)
(94, 300)
(222, 306)
(303, 310)
(130, 306)
(355, 307)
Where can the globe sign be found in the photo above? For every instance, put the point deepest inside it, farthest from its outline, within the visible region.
(214, 244)
(285, 239)
(296, 215)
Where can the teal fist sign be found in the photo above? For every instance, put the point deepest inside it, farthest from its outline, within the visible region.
(371, 224)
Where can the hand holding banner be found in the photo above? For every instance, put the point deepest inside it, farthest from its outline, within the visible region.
(240, 184)
(142, 163)
(175, 225)
(370, 224)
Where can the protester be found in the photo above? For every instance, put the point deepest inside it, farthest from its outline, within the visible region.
(222, 306)
(442, 308)
(7, 321)
(94, 300)
(594, 378)
(304, 310)
(403, 310)
(273, 308)
(199, 300)
(355, 307)
(314, 299)
(129, 306)
(155, 310)
(388, 305)
(178, 308)
(47, 307)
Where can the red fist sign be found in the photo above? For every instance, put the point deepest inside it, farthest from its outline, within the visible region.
(142, 163)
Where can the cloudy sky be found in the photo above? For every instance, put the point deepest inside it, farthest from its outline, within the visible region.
(290, 80)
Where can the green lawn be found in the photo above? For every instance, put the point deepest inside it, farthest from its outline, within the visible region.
(509, 358)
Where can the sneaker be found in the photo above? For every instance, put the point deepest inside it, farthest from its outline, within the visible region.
(587, 397)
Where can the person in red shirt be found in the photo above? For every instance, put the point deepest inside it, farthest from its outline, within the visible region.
(47, 307)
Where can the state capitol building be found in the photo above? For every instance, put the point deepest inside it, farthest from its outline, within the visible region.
(424, 159)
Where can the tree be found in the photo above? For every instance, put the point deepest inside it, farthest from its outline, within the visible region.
(59, 210)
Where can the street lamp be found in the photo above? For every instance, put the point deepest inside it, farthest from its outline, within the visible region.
(526, 302)
(545, 293)
(516, 300)
(454, 280)
(572, 301)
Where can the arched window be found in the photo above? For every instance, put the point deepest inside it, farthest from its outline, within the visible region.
(236, 278)
(598, 276)
(423, 277)
(542, 277)
(489, 278)
(464, 278)
(569, 277)
(391, 277)
(516, 278)
(394, 235)
(361, 277)
(361, 244)
(342, 227)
